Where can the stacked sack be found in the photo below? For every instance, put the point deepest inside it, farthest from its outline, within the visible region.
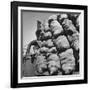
(56, 50)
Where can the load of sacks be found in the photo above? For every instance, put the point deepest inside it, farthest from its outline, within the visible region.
(56, 49)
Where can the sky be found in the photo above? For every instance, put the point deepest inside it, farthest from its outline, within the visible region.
(29, 24)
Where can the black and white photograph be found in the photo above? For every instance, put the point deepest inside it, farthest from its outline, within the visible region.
(51, 44)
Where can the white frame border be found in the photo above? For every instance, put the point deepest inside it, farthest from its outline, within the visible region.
(51, 78)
